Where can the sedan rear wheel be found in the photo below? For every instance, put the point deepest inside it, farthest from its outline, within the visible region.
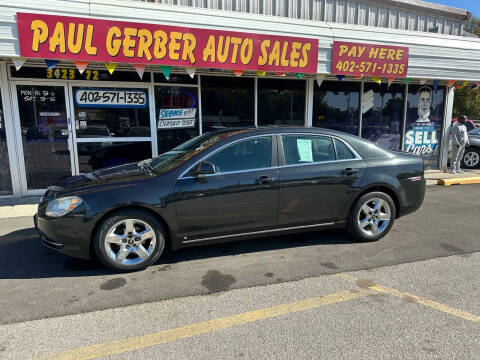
(372, 216)
(129, 240)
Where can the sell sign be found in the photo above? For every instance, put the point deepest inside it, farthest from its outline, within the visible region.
(358, 59)
(60, 37)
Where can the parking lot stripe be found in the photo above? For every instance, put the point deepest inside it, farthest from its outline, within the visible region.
(134, 343)
(367, 284)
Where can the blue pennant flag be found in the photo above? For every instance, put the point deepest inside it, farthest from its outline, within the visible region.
(435, 85)
(51, 63)
(340, 77)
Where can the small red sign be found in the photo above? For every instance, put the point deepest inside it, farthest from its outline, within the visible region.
(357, 59)
(86, 39)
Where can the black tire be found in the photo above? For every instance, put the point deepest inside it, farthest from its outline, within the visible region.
(353, 226)
(476, 155)
(117, 217)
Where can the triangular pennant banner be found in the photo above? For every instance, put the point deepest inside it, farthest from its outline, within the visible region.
(280, 73)
(476, 86)
(166, 69)
(320, 79)
(340, 77)
(51, 63)
(465, 83)
(18, 62)
(377, 79)
(451, 83)
(407, 80)
(423, 82)
(110, 67)
(261, 73)
(81, 66)
(435, 85)
(140, 68)
(300, 75)
(390, 81)
(190, 71)
(358, 77)
(238, 72)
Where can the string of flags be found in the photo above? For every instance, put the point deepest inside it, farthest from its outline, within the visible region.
(166, 70)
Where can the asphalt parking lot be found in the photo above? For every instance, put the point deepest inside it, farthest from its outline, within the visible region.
(429, 265)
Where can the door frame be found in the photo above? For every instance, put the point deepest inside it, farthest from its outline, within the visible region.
(111, 84)
(24, 190)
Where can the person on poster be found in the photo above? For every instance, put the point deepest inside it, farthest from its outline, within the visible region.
(460, 141)
(424, 105)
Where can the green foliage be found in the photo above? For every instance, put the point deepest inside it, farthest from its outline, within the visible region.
(467, 102)
(473, 25)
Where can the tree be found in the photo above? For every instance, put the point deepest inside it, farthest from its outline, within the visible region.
(473, 25)
(467, 102)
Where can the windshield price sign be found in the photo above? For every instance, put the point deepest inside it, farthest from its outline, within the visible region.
(111, 98)
(356, 59)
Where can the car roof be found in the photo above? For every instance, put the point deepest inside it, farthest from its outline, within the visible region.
(250, 131)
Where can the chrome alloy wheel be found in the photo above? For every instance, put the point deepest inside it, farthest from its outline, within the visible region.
(130, 242)
(374, 217)
(471, 159)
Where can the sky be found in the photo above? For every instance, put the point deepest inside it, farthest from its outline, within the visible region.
(471, 5)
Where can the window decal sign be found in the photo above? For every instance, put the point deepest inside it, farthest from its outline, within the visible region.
(177, 113)
(111, 98)
(86, 39)
(176, 124)
(358, 59)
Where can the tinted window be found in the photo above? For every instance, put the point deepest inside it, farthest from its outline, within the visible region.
(302, 149)
(281, 102)
(244, 155)
(336, 105)
(343, 152)
(227, 102)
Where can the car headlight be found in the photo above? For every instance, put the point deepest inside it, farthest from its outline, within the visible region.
(62, 206)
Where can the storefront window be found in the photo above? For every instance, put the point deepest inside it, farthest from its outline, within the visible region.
(43, 122)
(175, 79)
(281, 102)
(336, 106)
(227, 102)
(177, 115)
(5, 178)
(97, 155)
(111, 112)
(423, 131)
(382, 122)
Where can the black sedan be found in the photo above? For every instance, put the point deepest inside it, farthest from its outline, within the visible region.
(228, 185)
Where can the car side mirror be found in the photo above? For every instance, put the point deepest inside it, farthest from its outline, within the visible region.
(204, 168)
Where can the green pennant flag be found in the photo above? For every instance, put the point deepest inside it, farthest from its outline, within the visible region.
(300, 75)
(407, 80)
(166, 71)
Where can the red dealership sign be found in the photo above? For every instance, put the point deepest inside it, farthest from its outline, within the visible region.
(86, 39)
(369, 60)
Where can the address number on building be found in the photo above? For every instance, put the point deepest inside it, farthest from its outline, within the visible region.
(111, 98)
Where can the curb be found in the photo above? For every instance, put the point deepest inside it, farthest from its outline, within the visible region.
(459, 181)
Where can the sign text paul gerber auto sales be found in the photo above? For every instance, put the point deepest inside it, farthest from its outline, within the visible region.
(73, 38)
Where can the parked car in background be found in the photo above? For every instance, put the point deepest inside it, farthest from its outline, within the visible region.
(470, 124)
(231, 184)
(471, 158)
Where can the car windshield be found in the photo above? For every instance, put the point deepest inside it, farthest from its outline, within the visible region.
(177, 156)
(475, 131)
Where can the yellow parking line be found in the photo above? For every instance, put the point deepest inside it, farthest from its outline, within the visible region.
(134, 343)
(409, 297)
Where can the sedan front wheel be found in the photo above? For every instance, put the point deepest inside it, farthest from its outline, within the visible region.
(129, 240)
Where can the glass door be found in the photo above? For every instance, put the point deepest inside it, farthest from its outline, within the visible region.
(112, 125)
(46, 135)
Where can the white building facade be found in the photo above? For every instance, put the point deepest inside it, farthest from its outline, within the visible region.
(52, 126)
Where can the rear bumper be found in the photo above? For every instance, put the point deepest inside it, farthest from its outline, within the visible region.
(69, 236)
(413, 200)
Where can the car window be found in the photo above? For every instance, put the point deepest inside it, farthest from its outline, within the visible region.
(343, 152)
(475, 131)
(249, 154)
(303, 149)
(469, 125)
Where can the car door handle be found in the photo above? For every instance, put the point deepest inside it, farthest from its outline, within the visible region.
(350, 171)
(265, 180)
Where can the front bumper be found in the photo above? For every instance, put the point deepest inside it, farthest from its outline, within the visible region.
(67, 235)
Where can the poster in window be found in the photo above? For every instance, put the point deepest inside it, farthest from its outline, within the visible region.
(424, 123)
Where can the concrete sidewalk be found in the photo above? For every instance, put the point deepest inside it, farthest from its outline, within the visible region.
(27, 206)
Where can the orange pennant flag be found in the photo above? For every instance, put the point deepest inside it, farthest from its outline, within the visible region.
(238, 72)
